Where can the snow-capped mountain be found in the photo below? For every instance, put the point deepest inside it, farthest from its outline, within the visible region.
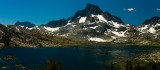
(93, 24)
(150, 26)
(92, 13)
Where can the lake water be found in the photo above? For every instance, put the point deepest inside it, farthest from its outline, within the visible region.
(72, 58)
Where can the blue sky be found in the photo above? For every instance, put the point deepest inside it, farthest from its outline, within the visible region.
(42, 11)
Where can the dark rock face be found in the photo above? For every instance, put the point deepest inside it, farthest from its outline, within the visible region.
(110, 17)
(152, 21)
(57, 23)
(90, 9)
(25, 24)
(95, 10)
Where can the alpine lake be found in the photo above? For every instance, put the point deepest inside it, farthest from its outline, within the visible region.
(68, 58)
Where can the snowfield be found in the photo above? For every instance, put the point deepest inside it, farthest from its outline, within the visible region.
(82, 20)
(97, 39)
(148, 28)
(51, 29)
(120, 34)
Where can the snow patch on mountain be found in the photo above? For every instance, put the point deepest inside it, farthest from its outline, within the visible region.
(96, 39)
(21, 26)
(148, 28)
(116, 25)
(51, 29)
(73, 25)
(100, 17)
(120, 34)
(68, 24)
(145, 27)
(157, 25)
(82, 20)
(29, 28)
(36, 27)
(152, 30)
(17, 29)
(94, 27)
(113, 37)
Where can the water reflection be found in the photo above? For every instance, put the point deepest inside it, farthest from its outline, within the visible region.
(117, 54)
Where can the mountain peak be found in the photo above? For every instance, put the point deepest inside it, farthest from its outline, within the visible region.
(153, 20)
(56, 23)
(93, 9)
(89, 9)
(25, 24)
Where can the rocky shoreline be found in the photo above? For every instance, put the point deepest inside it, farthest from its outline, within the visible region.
(153, 56)
(146, 61)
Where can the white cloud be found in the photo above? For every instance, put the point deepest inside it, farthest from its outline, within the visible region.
(129, 9)
(158, 9)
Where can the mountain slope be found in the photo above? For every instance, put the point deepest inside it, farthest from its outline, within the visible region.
(16, 36)
(151, 26)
